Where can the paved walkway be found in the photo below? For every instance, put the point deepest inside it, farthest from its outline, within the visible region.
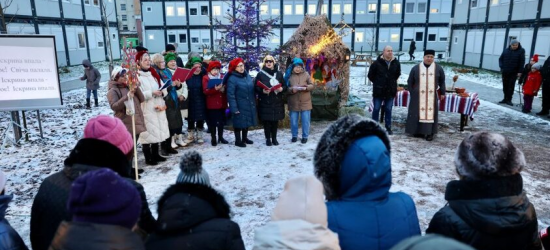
(77, 83)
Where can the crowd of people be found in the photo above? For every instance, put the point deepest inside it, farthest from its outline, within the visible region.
(162, 104)
(94, 204)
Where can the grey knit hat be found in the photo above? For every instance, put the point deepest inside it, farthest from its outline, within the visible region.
(191, 169)
(514, 41)
(485, 155)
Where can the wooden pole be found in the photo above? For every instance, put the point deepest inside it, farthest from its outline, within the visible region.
(135, 147)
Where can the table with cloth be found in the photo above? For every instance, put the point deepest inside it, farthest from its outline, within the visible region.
(453, 103)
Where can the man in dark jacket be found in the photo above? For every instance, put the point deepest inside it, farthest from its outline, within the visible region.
(92, 77)
(545, 72)
(412, 48)
(105, 143)
(511, 65)
(384, 73)
(192, 215)
(487, 208)
(9, 238)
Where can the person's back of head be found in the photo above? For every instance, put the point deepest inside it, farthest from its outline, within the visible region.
(431, 242)
(485, 155)
(352, 159)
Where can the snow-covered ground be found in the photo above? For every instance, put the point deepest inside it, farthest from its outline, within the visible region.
(253, 177)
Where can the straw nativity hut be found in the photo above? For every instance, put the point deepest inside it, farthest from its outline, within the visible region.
(327, 61)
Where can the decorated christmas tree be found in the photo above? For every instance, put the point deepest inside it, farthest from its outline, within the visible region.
(246, 32)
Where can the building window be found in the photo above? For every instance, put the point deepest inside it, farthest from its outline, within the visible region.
(124, 17)
(122, 6)
(394, 38)
(100, 44)
(181, 11)
(171, 38)
(421, 8)
(183, 38)
(494, 2)
(151, 37)
(385, 8)
(474, 4)
(169, 10)
(87, 2)
(264, 9)
(431, 38)
(442, 39)
(359, 37)
(299, 9)
(456, 39)
(324, 9)
(194, 40)
(434, 10)
(81, 40)
(124, 27)
(372, 8)
(149, 9)
(275, 40)
(288, 9)
(312, 9)
(204, 10)
(96, 2)
(193, 11)
(347, 8)
(419, 36)
(275, 12)
(409, 8)
(206, 40)
(396, 8)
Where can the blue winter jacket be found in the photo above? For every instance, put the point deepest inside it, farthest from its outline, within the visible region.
(366, 215)
(242, 98)
(512, 61)
(197, 99)
(9, 238)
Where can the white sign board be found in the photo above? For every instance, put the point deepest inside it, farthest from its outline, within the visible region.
(28, 73)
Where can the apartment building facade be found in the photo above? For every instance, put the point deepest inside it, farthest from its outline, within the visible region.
(76, 24)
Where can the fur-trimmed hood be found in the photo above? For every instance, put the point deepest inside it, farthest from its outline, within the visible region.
(185, 205)
(352, 160)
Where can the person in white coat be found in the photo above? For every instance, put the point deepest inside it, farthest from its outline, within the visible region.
(299, 220)
(153, 110)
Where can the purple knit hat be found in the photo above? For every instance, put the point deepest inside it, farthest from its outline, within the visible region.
(103, 197)
(111, 130)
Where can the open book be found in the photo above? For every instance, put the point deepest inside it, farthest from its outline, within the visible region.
(213, 83)
(263, 86)
(182, 74)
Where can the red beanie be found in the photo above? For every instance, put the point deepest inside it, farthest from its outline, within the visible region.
(233, 64)
(535, 58)
(140, 54)
(110, 129)
(212, 65)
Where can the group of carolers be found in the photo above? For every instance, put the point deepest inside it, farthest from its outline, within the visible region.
(160, 110)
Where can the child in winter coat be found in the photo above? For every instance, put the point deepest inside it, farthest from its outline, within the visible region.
(216, 102)
(9, 238)
(299, 86)
(527, 69)
(299, 220)
(531, 87)
(92, 77)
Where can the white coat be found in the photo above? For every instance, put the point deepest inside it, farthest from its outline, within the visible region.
(155, 121)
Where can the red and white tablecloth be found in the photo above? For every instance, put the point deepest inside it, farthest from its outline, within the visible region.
(453, 103)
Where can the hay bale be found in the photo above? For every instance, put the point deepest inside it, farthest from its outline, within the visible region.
(346, 110)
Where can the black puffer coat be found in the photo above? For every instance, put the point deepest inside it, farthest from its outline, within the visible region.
(49, 208)
(512, 61)
(196, 97)
(488, 214)
(89, 236)
(384, 77)
(194, 217)
(271, 107)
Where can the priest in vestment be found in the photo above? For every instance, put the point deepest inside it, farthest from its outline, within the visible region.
(426, 87)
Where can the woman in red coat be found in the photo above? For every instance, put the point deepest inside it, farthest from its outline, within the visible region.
(216, 102)
(531, 87)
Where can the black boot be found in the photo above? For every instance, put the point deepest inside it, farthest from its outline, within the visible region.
(88, 103)
(220, 135)
(274, 133)
(95, 100)
(163, 151)
(245, 137)
(238, 141)
(168, 147)
(213, 141)
(267, 133)
(155, 152)
(148, 155)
